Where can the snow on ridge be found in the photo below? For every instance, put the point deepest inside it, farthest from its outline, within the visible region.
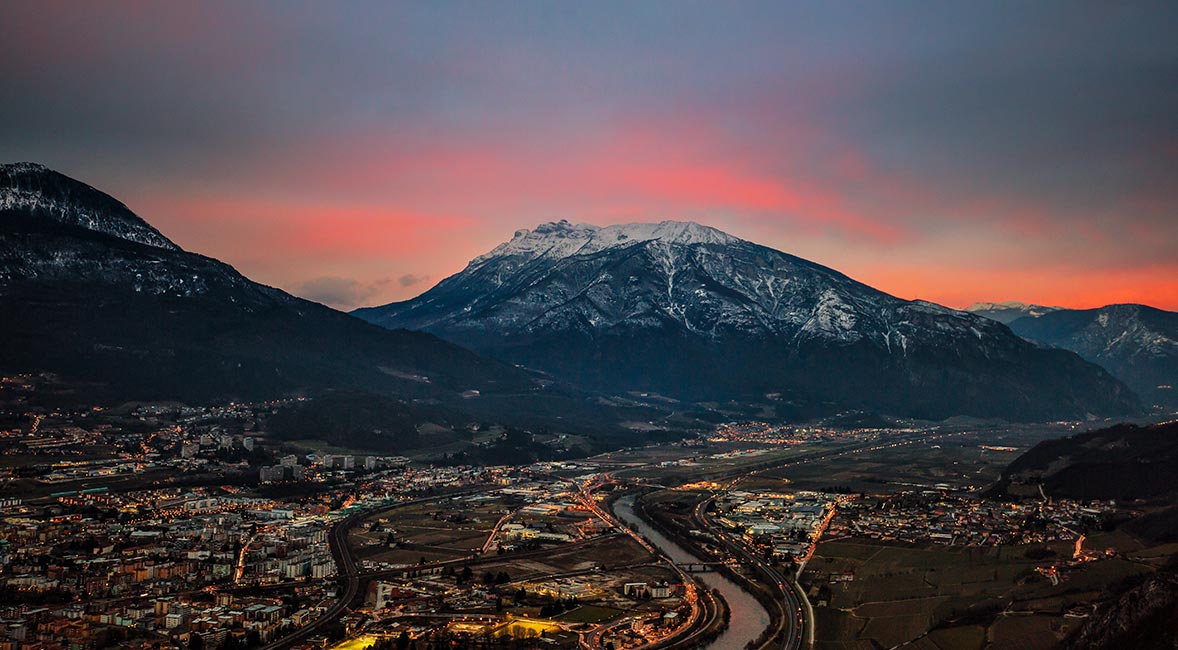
(989, 306)
(65, 212)
(33, 187)
(560, 239)
(23, 168)
(1012, 305)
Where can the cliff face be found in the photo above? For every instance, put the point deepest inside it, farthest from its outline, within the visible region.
(1142, 618)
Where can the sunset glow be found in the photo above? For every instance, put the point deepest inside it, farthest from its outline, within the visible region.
(359, 158)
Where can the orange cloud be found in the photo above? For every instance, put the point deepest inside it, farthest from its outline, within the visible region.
(1076, 287)
(387, 205)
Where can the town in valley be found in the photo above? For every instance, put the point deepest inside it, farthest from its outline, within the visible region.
(169, 526)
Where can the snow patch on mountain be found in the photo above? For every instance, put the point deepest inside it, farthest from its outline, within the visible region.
(35, 189)
(1009, 311)
(595, 281)
(561, 239)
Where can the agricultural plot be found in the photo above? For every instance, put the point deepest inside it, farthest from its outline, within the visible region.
(603, 554)
(1018, 632)
(946, 597)
(963, 461)
(427, 531)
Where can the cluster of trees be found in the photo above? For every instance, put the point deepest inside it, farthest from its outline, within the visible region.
(400, 642)
(1039, 553)
(256, 456)
(51, 596)
(558, 607)
(489, 578)
(514, 447)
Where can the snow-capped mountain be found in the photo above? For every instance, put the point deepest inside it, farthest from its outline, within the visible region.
(689, 311)
(562, 239)
(1008, 312)
(92, 293)
(38, 192)
(1136, 343)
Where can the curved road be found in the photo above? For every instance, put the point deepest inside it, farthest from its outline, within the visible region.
(792, 602)
(345, 562)
(337, 540)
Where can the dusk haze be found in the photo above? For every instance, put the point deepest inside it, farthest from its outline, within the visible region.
(953, 153)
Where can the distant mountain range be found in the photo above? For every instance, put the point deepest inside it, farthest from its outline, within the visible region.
(693, 313)
(96, 295)
(92, 293)
(1008, 312)
(1136, 343)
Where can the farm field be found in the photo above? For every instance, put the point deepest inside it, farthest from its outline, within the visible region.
(592, 614)
(428, 531)
(949, 598)
(973, 460)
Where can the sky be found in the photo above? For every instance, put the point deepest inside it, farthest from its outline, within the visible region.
(357, 153)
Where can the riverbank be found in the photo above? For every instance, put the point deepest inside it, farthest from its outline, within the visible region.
(747, 620)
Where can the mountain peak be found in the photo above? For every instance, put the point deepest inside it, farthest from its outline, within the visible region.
(559, 239)
(1136, 343)
(39, 191)
(1006, 304)
(24, 168)
(692, 313)
(1009, 311)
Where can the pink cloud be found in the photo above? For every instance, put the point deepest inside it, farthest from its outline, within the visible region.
(385, 204)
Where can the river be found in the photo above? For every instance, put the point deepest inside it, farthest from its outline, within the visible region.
(748, 618)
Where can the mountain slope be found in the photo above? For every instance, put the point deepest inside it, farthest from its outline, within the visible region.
(36, 193)
(1008, 312)
(1136, 343)
(93, 293)
(1120, 462)
(689, 311)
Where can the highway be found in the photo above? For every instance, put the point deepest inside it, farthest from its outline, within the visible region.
(345, 562)
(793, 607)
(352, 577)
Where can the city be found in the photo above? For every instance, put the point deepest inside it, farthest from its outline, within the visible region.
(217, 536)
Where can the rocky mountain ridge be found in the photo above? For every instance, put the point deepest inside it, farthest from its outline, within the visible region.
(1007, 312)
(689, 311)
(1138, 344)
(93, 293)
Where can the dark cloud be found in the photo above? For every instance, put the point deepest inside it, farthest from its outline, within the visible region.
(341, 293)
(1047, 97)
(409, 279)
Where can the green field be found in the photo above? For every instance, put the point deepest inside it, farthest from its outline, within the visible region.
(592, 614)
